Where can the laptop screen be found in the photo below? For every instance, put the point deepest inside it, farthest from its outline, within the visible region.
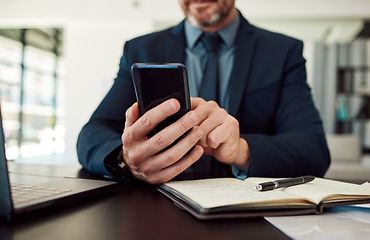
(5, 197)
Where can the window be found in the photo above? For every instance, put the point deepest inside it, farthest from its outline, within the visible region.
(31, 88)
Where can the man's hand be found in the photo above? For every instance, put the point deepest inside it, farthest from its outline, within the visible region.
(143, 156)
(221, 135)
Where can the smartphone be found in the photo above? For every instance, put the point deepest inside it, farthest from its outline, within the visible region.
(156, 83)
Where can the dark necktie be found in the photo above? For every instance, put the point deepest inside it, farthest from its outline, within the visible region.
(209, 88)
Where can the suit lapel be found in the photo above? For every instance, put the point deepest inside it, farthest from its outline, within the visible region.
(175, 44)
(244, 51)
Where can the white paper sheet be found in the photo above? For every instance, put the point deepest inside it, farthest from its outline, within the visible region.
(347, 222)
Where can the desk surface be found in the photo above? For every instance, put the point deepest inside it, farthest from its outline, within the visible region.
(135, 211)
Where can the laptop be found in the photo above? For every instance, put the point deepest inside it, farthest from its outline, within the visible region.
(20, 193)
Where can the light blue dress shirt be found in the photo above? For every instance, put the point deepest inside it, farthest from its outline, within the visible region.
(196, 58)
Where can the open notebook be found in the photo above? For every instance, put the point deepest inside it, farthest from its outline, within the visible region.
(233, 198)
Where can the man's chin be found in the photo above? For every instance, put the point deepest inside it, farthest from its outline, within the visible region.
(205, 22)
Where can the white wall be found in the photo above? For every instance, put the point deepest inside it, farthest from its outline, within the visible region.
(92, 52)
(53, 10)
(95, 31)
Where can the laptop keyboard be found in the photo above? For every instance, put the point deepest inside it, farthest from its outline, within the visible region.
(23, 193)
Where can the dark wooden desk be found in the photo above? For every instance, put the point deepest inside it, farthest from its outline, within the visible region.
(135, 211)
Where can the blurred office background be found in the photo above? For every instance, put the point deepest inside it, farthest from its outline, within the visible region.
(59, 58)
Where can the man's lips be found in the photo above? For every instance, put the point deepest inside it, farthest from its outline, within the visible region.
(205, 1)
(202, 3)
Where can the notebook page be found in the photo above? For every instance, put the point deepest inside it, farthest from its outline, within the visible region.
(217, 192)
(321, 188)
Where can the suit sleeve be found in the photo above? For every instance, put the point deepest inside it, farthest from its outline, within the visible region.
(298, 146)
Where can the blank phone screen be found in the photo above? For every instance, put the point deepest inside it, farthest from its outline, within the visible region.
(155, 84)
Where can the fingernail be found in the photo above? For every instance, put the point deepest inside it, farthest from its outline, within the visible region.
(201, 150)
(172, 105)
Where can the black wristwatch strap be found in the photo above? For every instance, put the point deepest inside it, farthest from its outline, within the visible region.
(116, 166)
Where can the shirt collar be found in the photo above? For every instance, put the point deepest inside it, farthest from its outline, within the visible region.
(192, 34)
(227, 33)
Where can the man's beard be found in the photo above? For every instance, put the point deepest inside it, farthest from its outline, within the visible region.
(214, 19)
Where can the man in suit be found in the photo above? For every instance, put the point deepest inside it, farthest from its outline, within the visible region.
(263, 124)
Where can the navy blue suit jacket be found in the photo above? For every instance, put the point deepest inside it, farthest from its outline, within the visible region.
(270, 98)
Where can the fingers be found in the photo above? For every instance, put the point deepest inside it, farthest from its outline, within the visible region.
(150, 119)
(144, 156)
(196, 101)
(222, 133)
(212, 130)
(168, 164)
(132, 115)
(167, 136)
(211, 117)
(172, 155)
(172, 171)
(137, 127)
(181, 165)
